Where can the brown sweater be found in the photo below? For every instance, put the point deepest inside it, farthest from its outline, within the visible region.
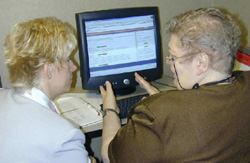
(209, 124)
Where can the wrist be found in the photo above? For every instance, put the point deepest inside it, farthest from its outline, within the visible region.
(108, 111)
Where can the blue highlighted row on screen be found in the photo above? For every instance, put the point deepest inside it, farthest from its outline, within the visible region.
(108, 67)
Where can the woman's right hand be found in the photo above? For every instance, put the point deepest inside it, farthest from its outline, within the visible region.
(146, 85)
(108, 97)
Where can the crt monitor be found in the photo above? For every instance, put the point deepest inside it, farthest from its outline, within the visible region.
(116, 43)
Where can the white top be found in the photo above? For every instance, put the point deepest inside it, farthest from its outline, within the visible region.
(39, 97)
(32, 131)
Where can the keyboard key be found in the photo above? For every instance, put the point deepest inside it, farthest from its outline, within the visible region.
(126, 103)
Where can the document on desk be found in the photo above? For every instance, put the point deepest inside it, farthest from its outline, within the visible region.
(78, 110)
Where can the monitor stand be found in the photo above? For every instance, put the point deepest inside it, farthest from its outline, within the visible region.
(124, 91)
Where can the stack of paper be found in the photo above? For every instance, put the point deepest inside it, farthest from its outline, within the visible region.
(78, 110)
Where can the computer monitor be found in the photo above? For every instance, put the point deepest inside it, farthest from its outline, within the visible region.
(116, 43)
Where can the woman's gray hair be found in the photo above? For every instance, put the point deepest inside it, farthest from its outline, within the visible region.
(210, 31)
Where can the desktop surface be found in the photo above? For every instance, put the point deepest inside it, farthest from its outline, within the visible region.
(95, 98)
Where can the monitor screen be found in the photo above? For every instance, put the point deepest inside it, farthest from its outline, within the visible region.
(113, 44)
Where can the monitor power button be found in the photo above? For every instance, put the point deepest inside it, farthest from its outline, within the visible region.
(126, 81)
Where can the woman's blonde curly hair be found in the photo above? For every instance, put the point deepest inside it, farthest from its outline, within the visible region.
(31, 44)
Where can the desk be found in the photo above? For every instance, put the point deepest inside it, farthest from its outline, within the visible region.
(93, 133)
(95, 98)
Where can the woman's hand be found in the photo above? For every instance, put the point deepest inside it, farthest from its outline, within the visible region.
(92, 159)
(108, 97)
(146, 85)
(111, 122)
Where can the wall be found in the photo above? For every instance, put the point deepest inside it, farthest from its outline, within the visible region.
(241, 9)
(13, 11)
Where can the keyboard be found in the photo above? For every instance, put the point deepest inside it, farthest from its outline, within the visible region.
(126, 103)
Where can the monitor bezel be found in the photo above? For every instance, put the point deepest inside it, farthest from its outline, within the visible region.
(93, 83)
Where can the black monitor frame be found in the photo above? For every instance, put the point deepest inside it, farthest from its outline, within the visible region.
(118, 80)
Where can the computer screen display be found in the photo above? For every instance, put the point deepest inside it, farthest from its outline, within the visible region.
(113, 44)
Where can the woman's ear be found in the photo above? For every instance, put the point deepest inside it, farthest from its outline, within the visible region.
(202, 63)
(47, 71)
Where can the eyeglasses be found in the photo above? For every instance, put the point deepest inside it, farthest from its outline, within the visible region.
(173, 58)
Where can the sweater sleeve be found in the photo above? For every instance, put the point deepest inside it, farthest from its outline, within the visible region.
(136, 140)
(72, 149)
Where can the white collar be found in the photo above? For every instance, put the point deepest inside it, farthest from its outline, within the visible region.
(37, 96)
